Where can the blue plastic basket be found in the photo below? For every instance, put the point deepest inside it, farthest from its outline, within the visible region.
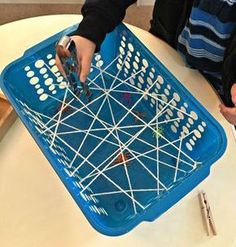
(138, 147)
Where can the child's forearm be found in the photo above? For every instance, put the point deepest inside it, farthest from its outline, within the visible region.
(101, 17)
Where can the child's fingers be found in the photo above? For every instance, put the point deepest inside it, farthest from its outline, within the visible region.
(226, 110)
(233, 93)
(85, 50)
(229, 113)
(85, 64)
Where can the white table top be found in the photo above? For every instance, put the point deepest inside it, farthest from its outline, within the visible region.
(36, 209)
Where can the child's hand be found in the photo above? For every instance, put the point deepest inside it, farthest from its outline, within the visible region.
(85, 50)
(230, 112)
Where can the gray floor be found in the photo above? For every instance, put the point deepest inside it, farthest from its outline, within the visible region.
(138, 16)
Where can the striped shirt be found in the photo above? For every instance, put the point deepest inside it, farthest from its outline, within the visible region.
(206, 35)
